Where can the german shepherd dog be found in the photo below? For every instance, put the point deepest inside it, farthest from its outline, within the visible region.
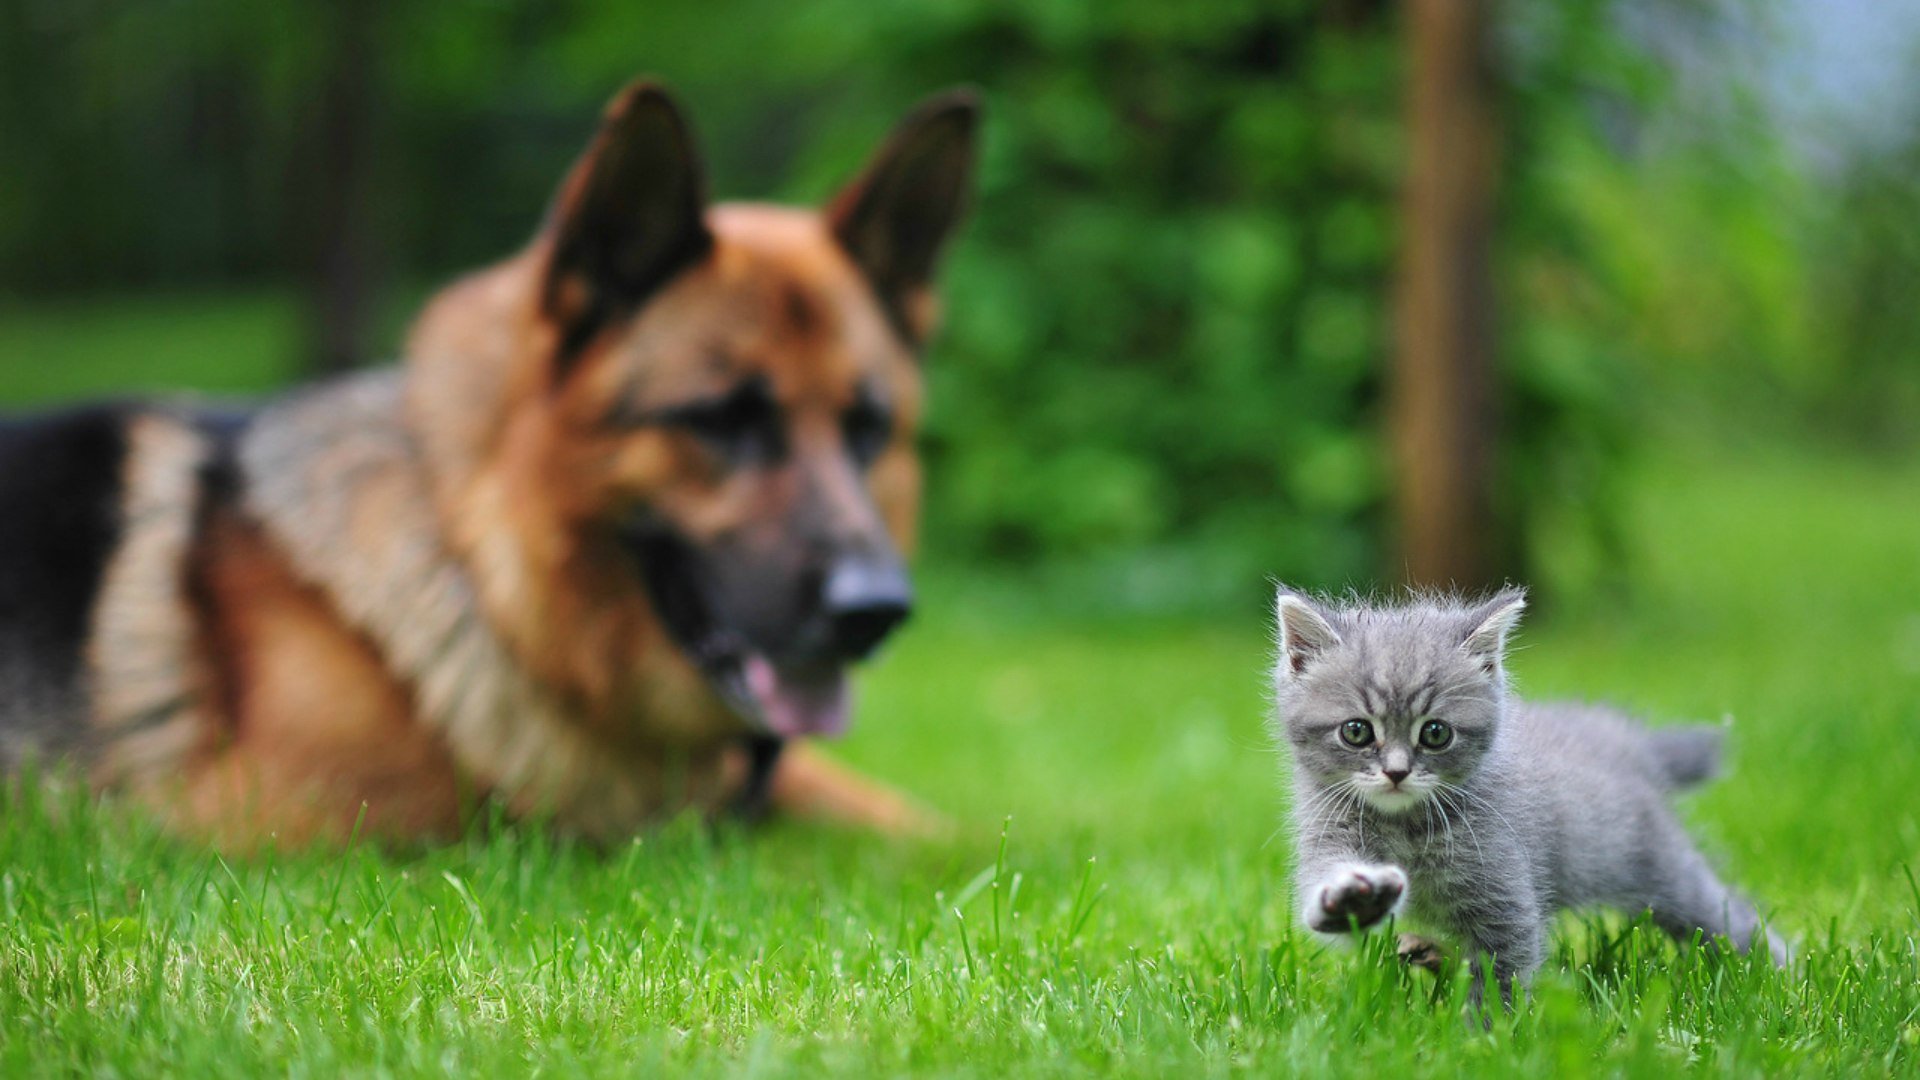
(608, 538)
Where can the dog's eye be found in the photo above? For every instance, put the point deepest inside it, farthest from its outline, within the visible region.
(867, 427)
(1436, 734)
(744, 425)
(1356, 732)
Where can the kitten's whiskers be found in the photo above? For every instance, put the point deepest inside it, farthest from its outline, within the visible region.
(1486, 804)
(1320, 810)
(1472, 833)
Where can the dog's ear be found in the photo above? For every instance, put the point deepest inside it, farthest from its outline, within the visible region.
(629, 217)
(896, 217)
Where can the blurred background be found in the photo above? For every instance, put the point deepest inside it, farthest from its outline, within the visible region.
(1617, 298)
(1342, 292)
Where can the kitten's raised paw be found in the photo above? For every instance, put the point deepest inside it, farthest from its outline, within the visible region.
(1357, 896)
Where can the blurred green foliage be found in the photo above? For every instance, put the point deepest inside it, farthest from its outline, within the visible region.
(1169, 319)
(1172, 310)
(1868, 341)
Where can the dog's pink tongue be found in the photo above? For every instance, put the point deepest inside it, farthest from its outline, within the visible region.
(799, 702)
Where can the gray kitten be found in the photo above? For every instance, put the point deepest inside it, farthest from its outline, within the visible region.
(1420, 780)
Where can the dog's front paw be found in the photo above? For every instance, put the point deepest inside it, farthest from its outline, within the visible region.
(1356, 896)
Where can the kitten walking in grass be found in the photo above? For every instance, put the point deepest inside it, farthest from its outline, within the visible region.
(1420, 781)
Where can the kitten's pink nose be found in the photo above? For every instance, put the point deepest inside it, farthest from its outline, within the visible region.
(1394, 776)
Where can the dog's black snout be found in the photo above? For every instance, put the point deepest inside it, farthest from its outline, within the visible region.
(1396, 775)
(865, 600)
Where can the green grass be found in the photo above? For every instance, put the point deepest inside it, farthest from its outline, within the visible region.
(217, 344)
(1116, 901)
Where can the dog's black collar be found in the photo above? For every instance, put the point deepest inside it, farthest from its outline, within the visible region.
(755, 800)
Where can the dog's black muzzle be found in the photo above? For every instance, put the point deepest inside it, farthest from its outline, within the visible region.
(864, 599)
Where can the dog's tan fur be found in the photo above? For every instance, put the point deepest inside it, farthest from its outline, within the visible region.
(401, 612)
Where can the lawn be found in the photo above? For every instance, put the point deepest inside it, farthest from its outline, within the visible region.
(1116, 899)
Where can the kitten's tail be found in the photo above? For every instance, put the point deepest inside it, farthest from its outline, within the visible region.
(1687, 756)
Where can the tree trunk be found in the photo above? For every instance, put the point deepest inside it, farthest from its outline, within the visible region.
(337, 184)
(1444, 393)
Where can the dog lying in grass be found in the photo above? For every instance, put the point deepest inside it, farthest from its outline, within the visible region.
(613, 534)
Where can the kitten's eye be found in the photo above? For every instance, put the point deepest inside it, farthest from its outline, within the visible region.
(1356, 732)
(1436, 734)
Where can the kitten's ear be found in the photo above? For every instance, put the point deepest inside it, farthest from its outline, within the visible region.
(1303, 631)
(1488, 626)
